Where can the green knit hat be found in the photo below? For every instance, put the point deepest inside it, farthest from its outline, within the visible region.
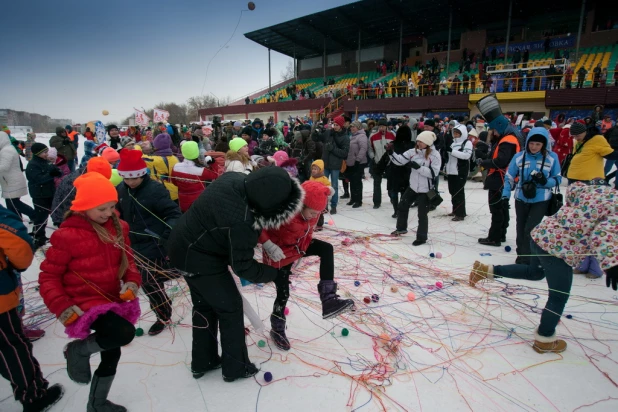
(190, 150)
(237, 143)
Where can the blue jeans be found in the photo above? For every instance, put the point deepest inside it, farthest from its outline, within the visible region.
(559, 280)
(333, 175)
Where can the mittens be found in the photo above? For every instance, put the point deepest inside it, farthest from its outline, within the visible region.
(70, 315)
(128, 291)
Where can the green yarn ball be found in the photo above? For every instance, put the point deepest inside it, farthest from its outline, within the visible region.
(261, 343)
(139, 332)
(345, 332)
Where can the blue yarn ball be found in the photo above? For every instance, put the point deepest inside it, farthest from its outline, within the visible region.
(432, 254)
(268, 376)
(356, 283)
(569, 316)
(507, 248)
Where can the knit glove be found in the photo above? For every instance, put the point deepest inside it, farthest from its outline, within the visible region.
(415, 165)
(274, 252)
(208, 160)
(611, 277)
(70, 315)
(540, 179)
(128, 291)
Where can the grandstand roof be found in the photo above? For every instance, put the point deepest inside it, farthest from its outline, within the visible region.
(379, 21)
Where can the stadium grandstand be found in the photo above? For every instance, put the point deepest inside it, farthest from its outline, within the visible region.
(394, 56)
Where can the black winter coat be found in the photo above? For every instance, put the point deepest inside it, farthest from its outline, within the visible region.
(335, 149)
(506, 151)
(219, 231)
(397, 177)
(40, 181)
(151, 215)
(265, 148)
(304, 149)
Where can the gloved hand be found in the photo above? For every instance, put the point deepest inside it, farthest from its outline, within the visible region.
(415, 165)
(273, 251)
(449, 149)
(208, 160)
(328, 147)
(128, 291)
(540, 179)
(390, 148)
(611, 277)
(70, 315)
(55, 172)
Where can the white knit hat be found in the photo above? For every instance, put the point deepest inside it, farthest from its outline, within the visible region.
(426, 137)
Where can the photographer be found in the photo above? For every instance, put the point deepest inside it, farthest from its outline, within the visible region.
(538, 170)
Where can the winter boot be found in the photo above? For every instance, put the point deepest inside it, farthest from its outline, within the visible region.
(157, 328)
(99, 389)
(480, 272)
(331, 304)
(277, 332)
(77, 354)
(489, 242)
(250, 370)
(54, 394)
(544, 344)
(215, 366)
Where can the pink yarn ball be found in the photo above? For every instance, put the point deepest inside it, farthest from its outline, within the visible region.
(330, 222)
(286, 311)
(439, 285)
(439, 255)
(411, 296)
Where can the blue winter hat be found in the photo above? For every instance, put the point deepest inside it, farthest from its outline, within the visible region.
(68, 128)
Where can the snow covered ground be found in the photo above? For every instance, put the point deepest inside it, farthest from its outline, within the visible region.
(454, 348)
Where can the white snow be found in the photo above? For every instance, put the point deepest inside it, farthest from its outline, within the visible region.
(460, 348)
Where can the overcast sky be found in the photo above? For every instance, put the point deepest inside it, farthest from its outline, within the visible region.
(75, 58)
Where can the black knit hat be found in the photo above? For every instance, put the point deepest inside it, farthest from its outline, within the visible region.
(539, 138)
(38, 148)
(247, 130)
(577, 128)
(110, 127)
(382, 122)
(430, 122)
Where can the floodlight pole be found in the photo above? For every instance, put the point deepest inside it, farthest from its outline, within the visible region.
(508, 32)
(579, 32)
(295, 72)
(448, 50)
(400, 47)
(269, 81)
(324, 61)
(358, 59)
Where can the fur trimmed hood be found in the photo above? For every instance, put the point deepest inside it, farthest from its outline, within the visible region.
(273, 196)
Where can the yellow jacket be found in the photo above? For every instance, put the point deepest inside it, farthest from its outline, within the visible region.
(160, 168)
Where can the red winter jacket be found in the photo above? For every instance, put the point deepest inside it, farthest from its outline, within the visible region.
(564, 144)
(79, 269)
(190, 178)
(293, 238)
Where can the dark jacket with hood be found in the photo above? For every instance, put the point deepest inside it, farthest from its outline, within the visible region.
(64, 196)
(257, 129)
(504, 154)
(303, 148)
(63, 144)
(335, 149)
(397, 177)
(223, 225)
(40, 180)
(151, 215)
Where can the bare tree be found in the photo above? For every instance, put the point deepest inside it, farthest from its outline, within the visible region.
(288, 72)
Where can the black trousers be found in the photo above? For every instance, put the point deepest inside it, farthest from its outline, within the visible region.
(499, 215)
(422, 202)
(529, 215)
(377, 189)
(42, 210)
(355, 175)
(153, 285)
(456, 185)
(18, 365)
(18, 207)
(112, 332)
(217, 305)
(326, 254)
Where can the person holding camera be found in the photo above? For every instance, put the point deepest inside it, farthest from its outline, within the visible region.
(538, 170)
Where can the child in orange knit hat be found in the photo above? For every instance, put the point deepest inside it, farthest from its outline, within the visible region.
(89, 281)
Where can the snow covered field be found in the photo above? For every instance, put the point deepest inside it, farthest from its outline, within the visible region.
(451, 349)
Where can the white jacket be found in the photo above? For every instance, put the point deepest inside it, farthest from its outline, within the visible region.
(459, 152)
(421, 178)
(12, 180)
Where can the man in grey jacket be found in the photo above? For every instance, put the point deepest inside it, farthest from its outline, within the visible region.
(377, 143)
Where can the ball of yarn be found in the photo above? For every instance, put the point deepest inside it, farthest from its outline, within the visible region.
(366, 299)
(432, 254)
(439, 285)
(394, 288)
(268, 376)
(507, 248)
(330, 222)
(569, 316)
(345, 332)
(385, 337)
(286, 311)
(356, 283)
(411, 296)
(375, 297)
(439, 255)
(261, 343)
(139, 332)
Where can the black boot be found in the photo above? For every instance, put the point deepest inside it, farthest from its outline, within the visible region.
(77, 354)
(250, 370)
(157, 328)
(54, 394)
(331, 304)
(277, 332)
(346, 195)
(99, 389)
(215, 366)
(489, 242)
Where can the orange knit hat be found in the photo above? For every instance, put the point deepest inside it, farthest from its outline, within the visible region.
(92, 190)
(99, 165)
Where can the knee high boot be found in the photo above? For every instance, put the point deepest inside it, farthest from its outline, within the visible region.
(99, 389)
(277, 318)
(77, 353)
(331, 304)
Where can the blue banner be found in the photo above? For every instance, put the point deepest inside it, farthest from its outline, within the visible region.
(537, 46)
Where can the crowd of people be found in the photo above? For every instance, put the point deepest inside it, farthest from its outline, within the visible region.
(194, 201)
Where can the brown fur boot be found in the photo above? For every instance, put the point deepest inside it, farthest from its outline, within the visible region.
(544, 344)
(480, 271)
